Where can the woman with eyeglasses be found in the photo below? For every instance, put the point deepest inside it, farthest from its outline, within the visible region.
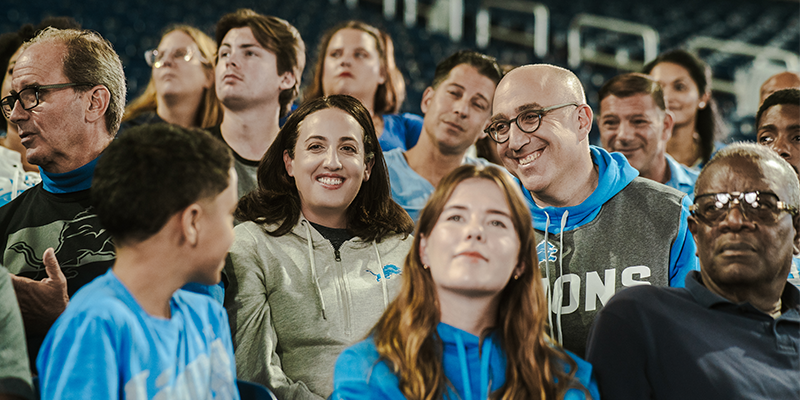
(357, 59)
(181, 87)
(469, 322)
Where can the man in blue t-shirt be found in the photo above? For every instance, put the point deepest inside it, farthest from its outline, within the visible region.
(457, 106)
(166, 195)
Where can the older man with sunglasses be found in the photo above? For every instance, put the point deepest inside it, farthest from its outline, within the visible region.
(734, 331)
(600, 228)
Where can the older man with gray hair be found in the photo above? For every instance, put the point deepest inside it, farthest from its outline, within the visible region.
(67, 99)
(734, 331)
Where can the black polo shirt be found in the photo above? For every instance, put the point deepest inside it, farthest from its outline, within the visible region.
(689, 343)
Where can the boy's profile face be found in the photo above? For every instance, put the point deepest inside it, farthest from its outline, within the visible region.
(216, 232)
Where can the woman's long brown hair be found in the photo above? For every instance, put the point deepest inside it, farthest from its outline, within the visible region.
(406, 337)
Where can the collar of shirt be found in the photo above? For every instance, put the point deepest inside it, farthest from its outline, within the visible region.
(68, 182)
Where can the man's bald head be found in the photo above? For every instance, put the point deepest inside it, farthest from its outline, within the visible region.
(552, 160)
(560, 84)
(781, 80)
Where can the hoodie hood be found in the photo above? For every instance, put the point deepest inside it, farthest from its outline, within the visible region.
(614, 174)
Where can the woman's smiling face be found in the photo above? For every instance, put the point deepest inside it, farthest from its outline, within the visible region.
(329, 165)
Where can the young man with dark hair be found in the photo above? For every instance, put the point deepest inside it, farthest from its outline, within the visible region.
(778, 127)
(166, 195)
(457, 107)
(259, 65)
(634, 121)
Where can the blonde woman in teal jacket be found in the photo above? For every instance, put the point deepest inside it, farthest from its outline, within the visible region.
(317, 259)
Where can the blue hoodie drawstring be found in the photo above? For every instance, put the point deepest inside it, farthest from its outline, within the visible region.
(462, 357)
(485, 354)
(547, 274)
(485, 357)
(552, 292)
(561, 275)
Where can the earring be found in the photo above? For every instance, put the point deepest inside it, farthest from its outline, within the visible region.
(516, 276)
(702, 104)
(426, 266)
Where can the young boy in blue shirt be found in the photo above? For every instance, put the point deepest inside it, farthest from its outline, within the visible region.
(166, 195)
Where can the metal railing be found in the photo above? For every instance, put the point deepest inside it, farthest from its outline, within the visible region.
(484, 31)
(760, 54)
(411, 10)
(620, 59)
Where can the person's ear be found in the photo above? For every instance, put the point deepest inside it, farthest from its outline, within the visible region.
(99, 97)
(669, 123)
(288, 80)
(427, 97)
(287, 161)
(704, 99)
(585, 116)
(519, 270)
(190, 221)
(483, 133)
(382, 76)
(210, 77)
(423, 250)
(368, 168)
(693, 225)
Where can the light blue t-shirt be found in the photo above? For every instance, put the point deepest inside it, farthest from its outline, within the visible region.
(410, 190)
(794, 272)
(400, 131)
(682, 177)
(105, 346)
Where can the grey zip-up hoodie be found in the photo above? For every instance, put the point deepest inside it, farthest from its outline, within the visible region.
(294, 303)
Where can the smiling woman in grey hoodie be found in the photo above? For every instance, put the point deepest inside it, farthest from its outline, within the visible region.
(317, 258)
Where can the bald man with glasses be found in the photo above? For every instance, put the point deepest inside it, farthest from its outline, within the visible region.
(734, 331)
(599, 227)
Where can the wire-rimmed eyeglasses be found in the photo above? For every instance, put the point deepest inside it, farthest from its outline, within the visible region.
(155, 58)
(29, 97)
(528, 121)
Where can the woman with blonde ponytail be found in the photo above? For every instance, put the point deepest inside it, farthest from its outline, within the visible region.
(469, 322)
